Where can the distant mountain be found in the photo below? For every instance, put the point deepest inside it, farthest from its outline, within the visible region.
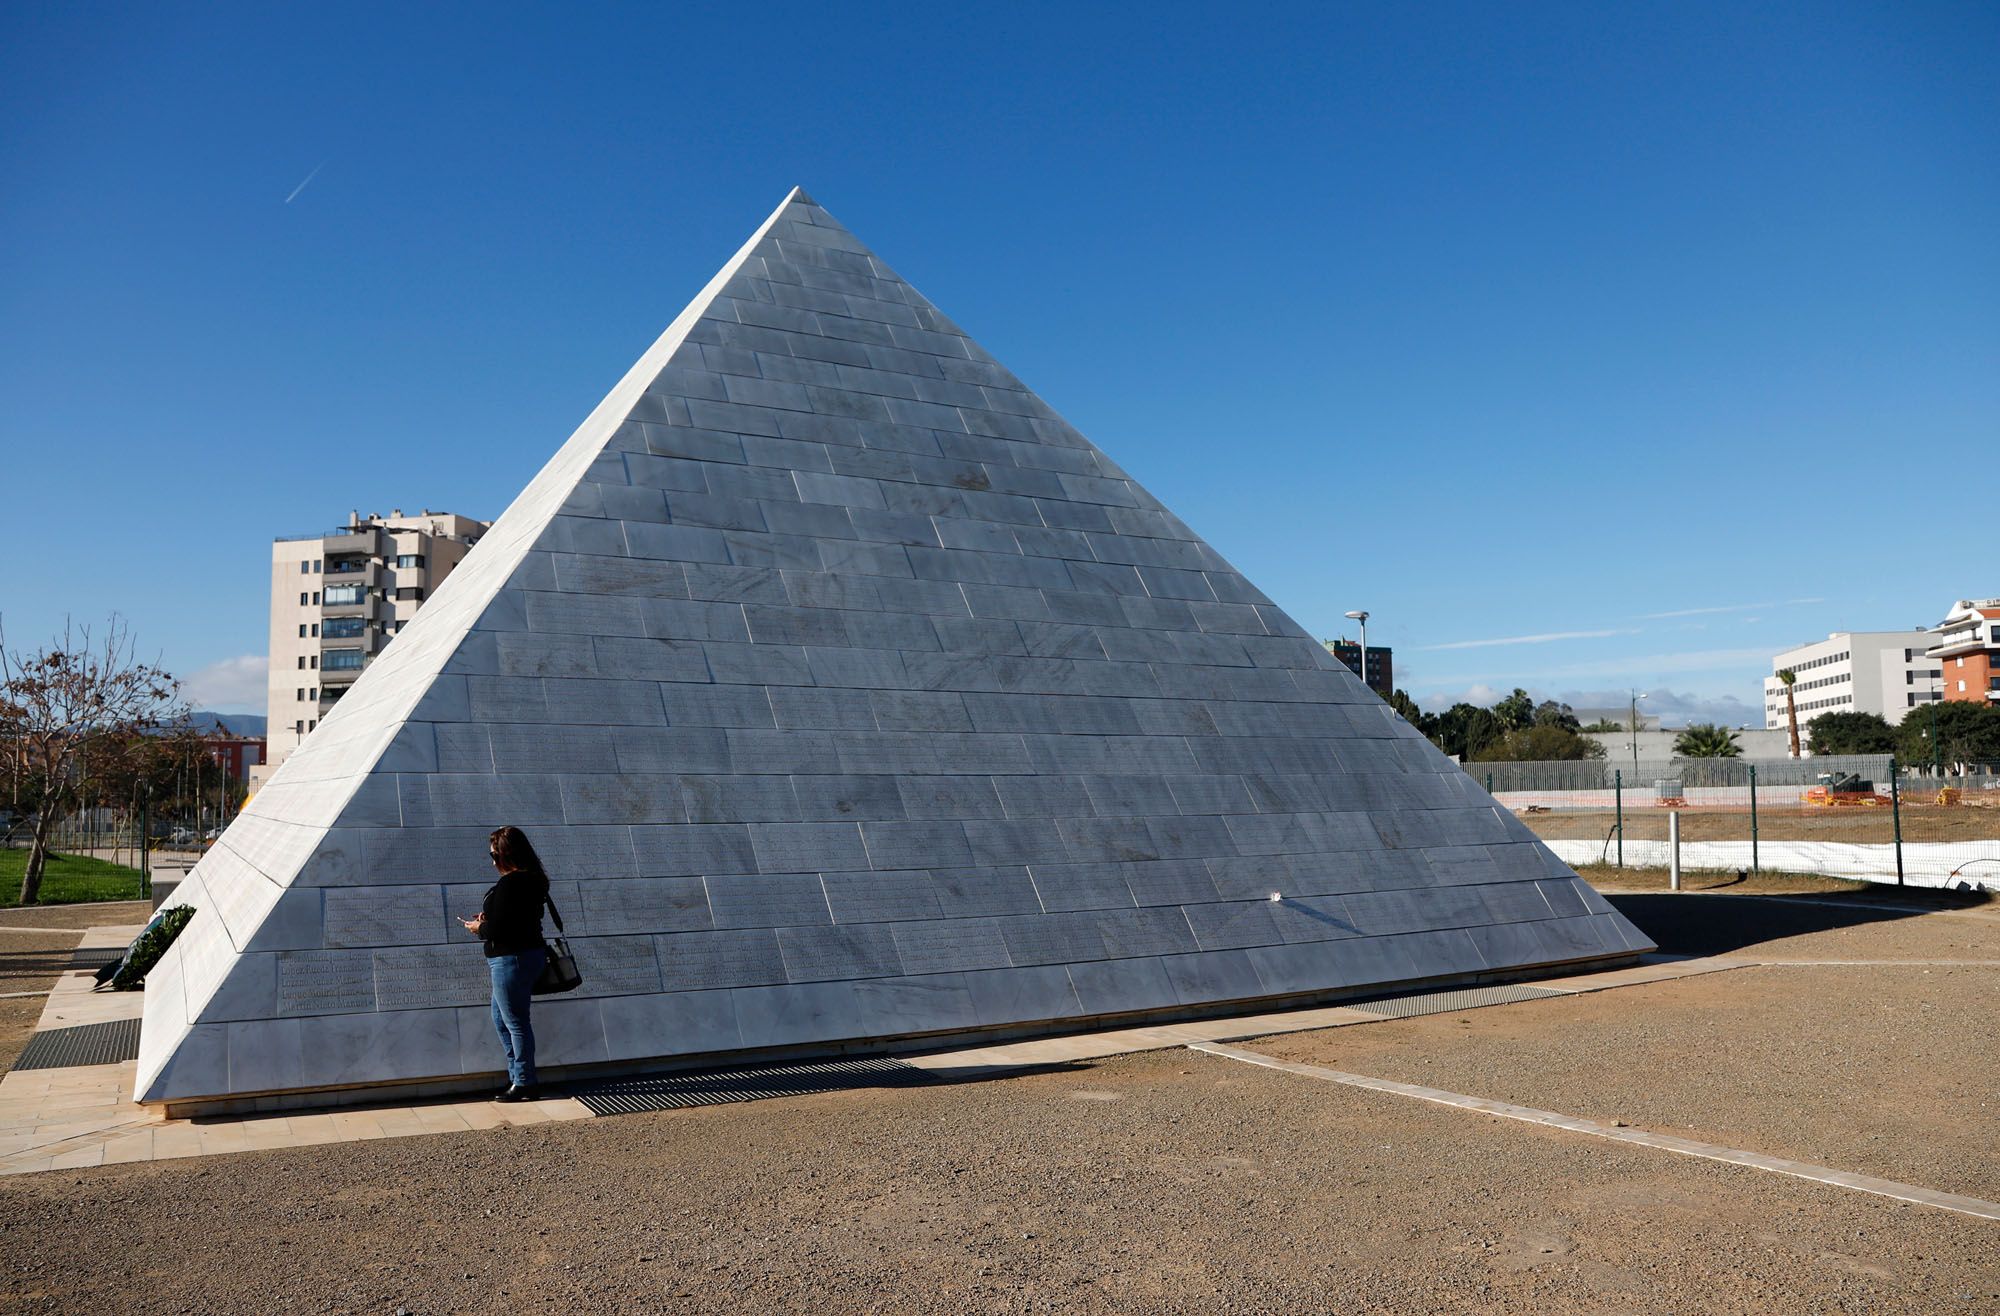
(248, 725)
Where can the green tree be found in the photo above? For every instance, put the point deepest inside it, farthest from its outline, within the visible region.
(1408, 710)
(1516, 710)
(1707, 740)
(1463, 730)
(1549, 713)
(1854, 733)
(1967, 732)
(1539, 744)
(1606, 726)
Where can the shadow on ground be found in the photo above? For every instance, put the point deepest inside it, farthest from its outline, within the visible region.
(1700, 924)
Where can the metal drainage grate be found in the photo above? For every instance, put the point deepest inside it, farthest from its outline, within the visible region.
(1468, 998)
(88, 1044)
(715, 1087)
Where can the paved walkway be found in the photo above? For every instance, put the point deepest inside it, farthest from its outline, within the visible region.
(62, 1119)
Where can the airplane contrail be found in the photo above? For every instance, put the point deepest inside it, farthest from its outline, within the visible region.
(308, 178)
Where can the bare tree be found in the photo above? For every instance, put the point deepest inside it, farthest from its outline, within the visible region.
(55, 701)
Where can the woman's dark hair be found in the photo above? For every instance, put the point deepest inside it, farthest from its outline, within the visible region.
(512, 853)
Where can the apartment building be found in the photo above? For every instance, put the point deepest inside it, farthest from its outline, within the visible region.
(1381, 674)
(338, 598)
(1885, 672)
(1965, 648)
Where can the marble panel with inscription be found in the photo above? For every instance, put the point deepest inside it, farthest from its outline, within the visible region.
(426, 977)
(325, 982)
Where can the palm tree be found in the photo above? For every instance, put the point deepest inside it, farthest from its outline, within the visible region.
(1707, 740)
(1787, 676)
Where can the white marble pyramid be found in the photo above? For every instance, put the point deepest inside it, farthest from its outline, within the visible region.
(848, 694)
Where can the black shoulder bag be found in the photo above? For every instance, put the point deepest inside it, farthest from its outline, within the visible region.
(559, 971)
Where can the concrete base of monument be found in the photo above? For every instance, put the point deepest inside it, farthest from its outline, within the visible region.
(556, 1077)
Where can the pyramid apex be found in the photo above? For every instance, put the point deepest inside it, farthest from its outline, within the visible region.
(801, 196)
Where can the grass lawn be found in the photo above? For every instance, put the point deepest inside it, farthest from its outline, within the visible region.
(68, 879)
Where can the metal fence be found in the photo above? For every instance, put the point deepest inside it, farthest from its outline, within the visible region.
(1862, 817)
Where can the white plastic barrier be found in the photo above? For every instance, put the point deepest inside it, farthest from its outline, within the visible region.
(1925, 864)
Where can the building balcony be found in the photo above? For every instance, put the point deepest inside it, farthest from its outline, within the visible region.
(1959, 648)
(367, 541)
(357, 572)
(339, 676)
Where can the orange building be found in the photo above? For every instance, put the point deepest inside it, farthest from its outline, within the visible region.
(1967, 647)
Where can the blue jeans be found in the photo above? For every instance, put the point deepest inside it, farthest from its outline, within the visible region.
(513, 987)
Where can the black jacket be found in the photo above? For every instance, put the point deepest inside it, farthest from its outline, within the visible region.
(513, 909)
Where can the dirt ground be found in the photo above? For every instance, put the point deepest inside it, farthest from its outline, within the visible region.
(1921, 823)
(1171, 1181)
(1812, 1087)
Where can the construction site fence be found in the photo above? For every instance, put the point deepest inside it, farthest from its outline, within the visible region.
(1860, 817)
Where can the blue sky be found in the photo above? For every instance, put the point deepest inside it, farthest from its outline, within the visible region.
(1587, 346)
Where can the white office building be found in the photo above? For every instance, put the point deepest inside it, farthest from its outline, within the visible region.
(1882, 672)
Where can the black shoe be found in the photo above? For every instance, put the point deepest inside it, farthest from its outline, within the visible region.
(520, 1093)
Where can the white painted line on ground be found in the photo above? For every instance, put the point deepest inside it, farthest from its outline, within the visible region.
(15, 996)
(1861, 1183)
(1881, 964)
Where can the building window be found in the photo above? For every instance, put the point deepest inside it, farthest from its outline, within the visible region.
(406, 593)
(301, 696)
(310, 725)
(299, 727)
(315, 596)
(342, 596)
(303, 596)
(305, 568)
(409, 559)
(343, 660)
(302, 662)
(344, 628)
(313, 662)
(315, 630)
(302, 630)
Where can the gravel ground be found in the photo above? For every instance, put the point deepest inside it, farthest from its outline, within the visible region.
(1882, 1071)
(1172, 1181)
(1164, 1182)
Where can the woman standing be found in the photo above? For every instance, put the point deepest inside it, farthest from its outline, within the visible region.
(510, 923)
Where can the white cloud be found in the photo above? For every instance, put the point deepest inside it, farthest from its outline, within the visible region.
(1547, 638)
(1726, 607)
(1636, 667)
(234, 685)
(1673, 708)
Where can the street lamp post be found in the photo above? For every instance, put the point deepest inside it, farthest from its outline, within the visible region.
(1636, 697)
(1361, 615)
